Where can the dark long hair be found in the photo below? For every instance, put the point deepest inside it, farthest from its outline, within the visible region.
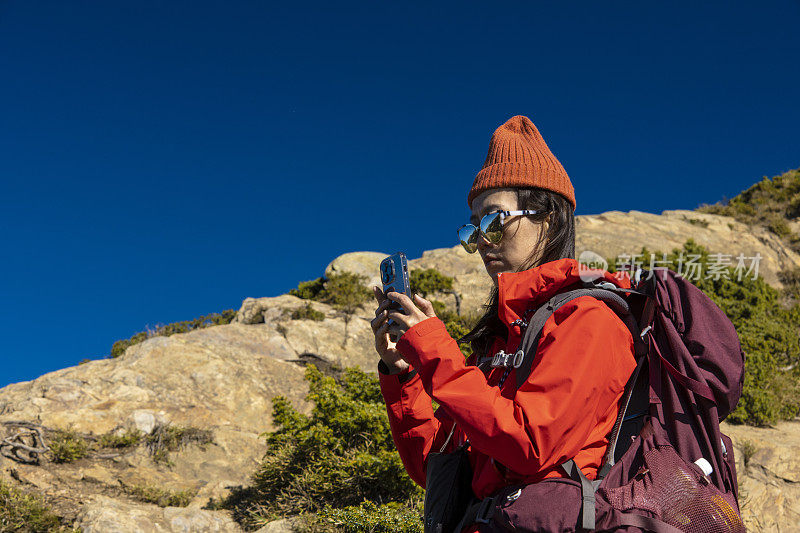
(557, 243)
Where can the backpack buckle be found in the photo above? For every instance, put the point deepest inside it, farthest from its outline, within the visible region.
(518, 358)
(485, 511)
(501, 358)
(497, 358)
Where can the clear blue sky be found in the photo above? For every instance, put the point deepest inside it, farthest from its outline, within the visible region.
(164, 160)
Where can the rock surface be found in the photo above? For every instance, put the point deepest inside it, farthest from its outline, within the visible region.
(103, 515)
(768, 468)
(222, 378)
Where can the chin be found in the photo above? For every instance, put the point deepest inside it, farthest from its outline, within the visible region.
(493, 272)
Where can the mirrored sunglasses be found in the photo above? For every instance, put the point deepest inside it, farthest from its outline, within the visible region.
(491, 227)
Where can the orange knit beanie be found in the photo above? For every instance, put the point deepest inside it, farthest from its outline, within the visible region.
(519, 157)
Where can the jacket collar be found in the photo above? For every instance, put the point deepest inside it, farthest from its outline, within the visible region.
(526, 290)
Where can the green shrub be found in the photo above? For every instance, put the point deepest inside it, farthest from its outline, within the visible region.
(346, 291)
(429, 281)
(394, 517)
(162, 497)
(457, 325)
(167, 438)
(27, 513)
(779, 227)
(767, 203)
(749, 449)
(308, 313)
(793, 208)
(130, 438)
(791, 282)
(119, 347)
(67, 446)
(309, 290)
(214, 319)
(339, 457)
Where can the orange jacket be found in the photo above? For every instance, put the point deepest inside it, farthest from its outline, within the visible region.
(565, 409)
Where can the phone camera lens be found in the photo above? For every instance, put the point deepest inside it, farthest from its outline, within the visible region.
(387, 272)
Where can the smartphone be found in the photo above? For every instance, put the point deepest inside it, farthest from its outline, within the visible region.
(394, 276)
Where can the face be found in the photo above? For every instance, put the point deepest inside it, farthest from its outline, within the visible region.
(520, 233)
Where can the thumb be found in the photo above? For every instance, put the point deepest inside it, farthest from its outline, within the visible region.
(425, 306)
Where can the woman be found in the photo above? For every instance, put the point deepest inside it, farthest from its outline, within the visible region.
(523, 202)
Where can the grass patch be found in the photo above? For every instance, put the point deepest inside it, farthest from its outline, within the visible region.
(698, 222)
(393, 517)
(162, 497)
(749, 449)
(67, 446)
(307, 312)
(20, 511)
(214, 319)
(130, 438)
(166, 438)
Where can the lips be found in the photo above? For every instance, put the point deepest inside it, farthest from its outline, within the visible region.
(491, 259)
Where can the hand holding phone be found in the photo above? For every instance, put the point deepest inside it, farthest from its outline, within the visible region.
(394, 276)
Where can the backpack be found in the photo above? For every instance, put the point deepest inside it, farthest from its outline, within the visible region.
(668, 467)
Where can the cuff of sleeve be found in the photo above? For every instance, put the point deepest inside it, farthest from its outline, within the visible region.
(402, 376)
(416, 340)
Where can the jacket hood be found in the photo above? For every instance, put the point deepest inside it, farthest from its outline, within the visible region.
(526, 290)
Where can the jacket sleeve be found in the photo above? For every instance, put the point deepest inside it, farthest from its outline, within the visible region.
(416, 429)
(583, 360)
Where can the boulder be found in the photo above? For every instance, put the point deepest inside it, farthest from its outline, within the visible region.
(366, 264)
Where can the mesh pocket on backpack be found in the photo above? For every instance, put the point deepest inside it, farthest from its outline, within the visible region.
(677, 493)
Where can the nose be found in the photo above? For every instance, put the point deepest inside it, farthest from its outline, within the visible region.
(484, 245)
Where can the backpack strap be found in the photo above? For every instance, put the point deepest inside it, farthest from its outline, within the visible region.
(697, 387)
(635, 395)
(588, 488)
(533, 333)
(528, 346)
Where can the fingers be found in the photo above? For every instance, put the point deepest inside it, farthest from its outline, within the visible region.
(401, 318)
(425, 306)
(378, 293)
(381, 340)
(404, 301)
(382, 334)
(383, 306)
(383, 337)
(378, 321)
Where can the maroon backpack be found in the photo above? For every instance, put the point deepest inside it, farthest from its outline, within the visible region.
(668, 467)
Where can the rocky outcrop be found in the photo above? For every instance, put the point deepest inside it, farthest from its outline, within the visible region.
(614, 233)
(222, 378)
(768, 468)
(219, 379)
